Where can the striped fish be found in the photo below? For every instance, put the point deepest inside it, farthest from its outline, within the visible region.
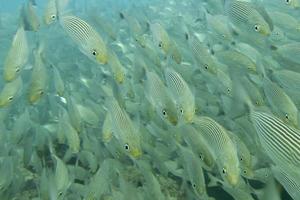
(280, 141)
(158, 96)
(289, 178)
(17, 56)
(245, 16)
(124, 130)
(280, 102)
(86, 37)
(182, 93)
(202, 55)
(222, 147)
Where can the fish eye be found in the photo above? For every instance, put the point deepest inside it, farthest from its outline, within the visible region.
(18, 69)
(241, 159)
(181, 111)
(287, 1)
(206, 66)
(126, 146)
(41, 92)
(94, 52)
(201, 156)
(164, 112)
(160, 44)
(194, 185)
(224, 171)
(53, 17)
(10, 98)
(245, 171)
(256, 27)
(60, 194)
(286, 116)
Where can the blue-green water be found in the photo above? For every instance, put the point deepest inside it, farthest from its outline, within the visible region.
(163, 100)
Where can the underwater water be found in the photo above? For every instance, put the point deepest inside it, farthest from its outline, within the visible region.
(149, 100)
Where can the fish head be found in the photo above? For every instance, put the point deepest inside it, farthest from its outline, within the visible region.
(198, 188)
(140, 39)
(262, 28)
(208, 67)
(295, 4)
(188, 113)
(168, 112)
(230, 170)
(133, 149)
(11, 72)
(99, 53)
(247, 172)
(291, 118)
(176, 56)
(5, 100)
(49, 19)
(35, 95)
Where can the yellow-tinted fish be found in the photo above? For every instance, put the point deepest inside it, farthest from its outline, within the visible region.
(160, 37)
(158, 96)
(50, 13)
(10, 91)
(17, 56)
(58, 82)
(116, 68)
(39, 76)
(202, 55)
(245, 16)
(182, 93)
(86, 37)
(107, 128)
(124, 130)
(222, 147)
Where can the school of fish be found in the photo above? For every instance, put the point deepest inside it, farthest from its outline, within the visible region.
(150, 100)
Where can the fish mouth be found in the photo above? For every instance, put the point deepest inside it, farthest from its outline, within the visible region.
(136, 153)
(233, 180)
(173, 120)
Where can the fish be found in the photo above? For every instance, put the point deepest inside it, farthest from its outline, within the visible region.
(193, 171)
(29, 18)
(197, 143)
(289, 179)
(86, 37)
(17, 56)
(202, 55)
(66, 131)
(279, 140)
(245, 16)
(58, 82)
(289, 52)
(61, 177)
(39, 76)
(181, 91)
(222, 147)
(218, 26)
(160, 37)
(10, 92)
(280, 103)
(136, 30)
(117, 68)
(124, 130)
(107, 133)
(159, 97)
(295, 4)
(233, 59)
(50, 13)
